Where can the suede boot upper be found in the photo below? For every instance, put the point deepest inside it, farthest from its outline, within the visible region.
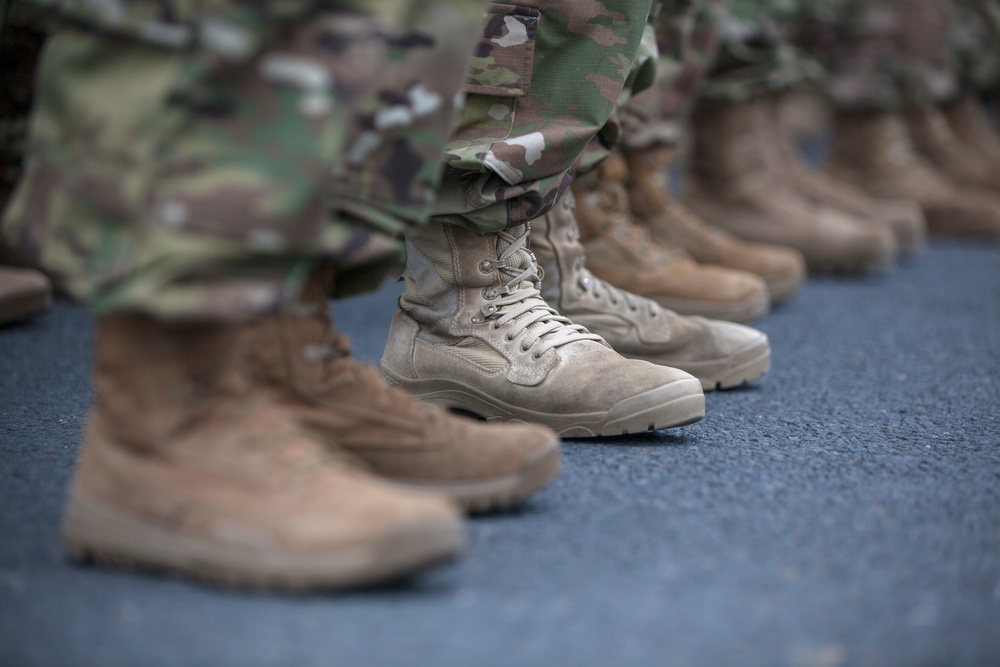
(305, 361)
(719, 354)
(736, 182)
(189, 465)
(622, 252)
(903, 218)
(473, 333)
(671, 223)
(873, 151)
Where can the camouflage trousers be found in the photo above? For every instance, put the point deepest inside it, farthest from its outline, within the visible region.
(865, 53)
(204, 179)
(686, 36)
(890, 54)
(543, 84)
(194, 182)
(758, 54)
(974, 41)
(19, 47)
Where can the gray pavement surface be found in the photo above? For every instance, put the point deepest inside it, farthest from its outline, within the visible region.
(843, 510)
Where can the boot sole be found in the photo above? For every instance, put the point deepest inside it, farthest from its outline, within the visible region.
(742, 312)
(675, 404)
(883, 262)
(94, 531)
(20, 307)
(845, 265)
(736, 370)
(498, 492)
(781, 289)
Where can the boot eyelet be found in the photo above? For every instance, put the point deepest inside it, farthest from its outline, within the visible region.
(477, 320)
(490, 293)
(486, 266)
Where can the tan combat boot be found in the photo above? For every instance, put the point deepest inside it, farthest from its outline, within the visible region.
(872, 150)
(671, 224)
(934, 139)
(623, 253)
(482, 466)
(24, 293)
(970, 124)
(473, 333)
(720, 354)
(735, 182)
(189, 466)
(903, 218)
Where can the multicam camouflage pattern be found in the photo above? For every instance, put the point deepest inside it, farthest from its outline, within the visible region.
(975, 44)
(757, 55)
(234, 29)
(640, 77)
(884, 54)
(894, 54)
(687, 39)
(543, 84)
(192, 182)
(887, 54)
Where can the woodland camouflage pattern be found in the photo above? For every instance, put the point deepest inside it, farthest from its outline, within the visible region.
(202, 177)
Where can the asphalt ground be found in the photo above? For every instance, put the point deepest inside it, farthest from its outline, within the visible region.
(842, 510)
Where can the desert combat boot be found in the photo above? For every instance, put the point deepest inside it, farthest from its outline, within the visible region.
(903, 218)
(781, 267)
(873, 151)
(472, 333)
(24, 293)
(971, 125)
(622, 252)
(934, 138)
(734, 182)
(720, 354)
(300, 356)
(189, 466)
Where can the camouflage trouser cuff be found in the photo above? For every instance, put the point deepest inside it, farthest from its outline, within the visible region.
(666, 132)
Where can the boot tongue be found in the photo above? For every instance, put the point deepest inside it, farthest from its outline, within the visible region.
(518, 261)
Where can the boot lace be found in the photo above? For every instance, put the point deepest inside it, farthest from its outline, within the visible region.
(520, 304)
(602, 290)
